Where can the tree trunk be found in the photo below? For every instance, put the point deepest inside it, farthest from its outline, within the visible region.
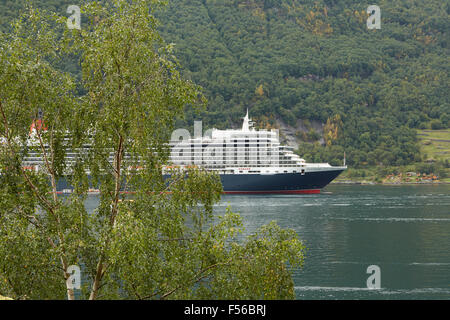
(115, 201)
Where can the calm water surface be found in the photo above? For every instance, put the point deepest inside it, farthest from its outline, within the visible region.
(405, 230)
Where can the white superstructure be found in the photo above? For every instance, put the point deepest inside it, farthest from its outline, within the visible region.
(240, 151)
(245, 150)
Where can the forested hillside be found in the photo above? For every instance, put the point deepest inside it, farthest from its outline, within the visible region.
(300, 62)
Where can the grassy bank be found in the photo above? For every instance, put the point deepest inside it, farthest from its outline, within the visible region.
(435, 151)
(413, 174)
(435, 144)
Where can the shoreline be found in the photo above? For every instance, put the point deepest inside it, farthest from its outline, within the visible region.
(349, 182)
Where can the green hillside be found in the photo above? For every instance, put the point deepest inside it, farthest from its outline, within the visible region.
(295, 63)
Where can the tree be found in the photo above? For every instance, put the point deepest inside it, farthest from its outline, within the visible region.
(33, 220)
(163, 241)
(332, 129)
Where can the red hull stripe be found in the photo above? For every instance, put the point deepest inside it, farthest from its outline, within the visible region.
(308, 191)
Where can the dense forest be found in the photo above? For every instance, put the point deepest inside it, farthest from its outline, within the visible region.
(296, 63)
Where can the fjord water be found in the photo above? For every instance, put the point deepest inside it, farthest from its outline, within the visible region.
(405, 230)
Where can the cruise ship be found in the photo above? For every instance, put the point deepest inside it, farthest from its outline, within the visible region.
(252, 161)
(248, 161)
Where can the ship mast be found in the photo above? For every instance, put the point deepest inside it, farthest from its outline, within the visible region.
(247, 123)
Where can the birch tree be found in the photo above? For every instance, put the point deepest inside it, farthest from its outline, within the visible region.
(151, 237)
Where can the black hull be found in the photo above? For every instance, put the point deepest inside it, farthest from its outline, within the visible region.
(277, 183)
(287, 183)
